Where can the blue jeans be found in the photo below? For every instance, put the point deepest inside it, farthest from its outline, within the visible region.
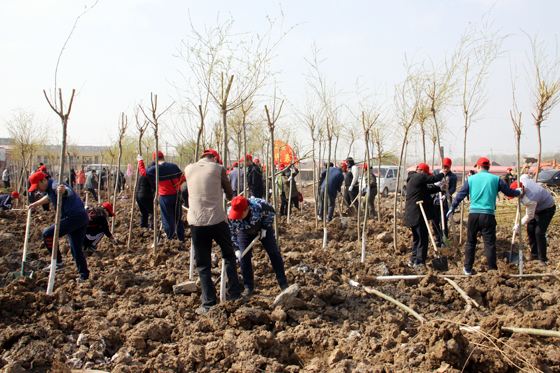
(331, 202)
(171, 216)
(75, 227)
(244, 238)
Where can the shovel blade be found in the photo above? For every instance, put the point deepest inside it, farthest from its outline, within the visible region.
(440, 264)
(512, 258)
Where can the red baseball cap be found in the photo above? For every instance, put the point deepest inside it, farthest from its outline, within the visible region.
(424, 167)
(213, 153)
(483, 161)
(15, 195)
(109, 207)
(235, 164)
(256, 160)
(249, 157)
(42, 168)
(35, 179)
(238, 206)
(159, 155)
(447, 162)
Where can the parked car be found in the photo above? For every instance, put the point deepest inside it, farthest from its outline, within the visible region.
(550, 178)
(387, 182)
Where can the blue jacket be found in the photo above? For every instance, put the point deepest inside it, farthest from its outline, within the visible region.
(335, 180)
(72, 205)
(483, 189)
(261, 216)
(234, 176)
(5, 202)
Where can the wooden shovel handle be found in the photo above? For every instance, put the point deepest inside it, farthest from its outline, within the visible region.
(420, 204)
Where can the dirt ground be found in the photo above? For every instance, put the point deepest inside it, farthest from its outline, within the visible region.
(127, 318)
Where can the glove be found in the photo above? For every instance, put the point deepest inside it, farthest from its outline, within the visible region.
(525, 220)
(139, 158)
(238, 254)
(350, 188)
(520, 190)
(263, 233)
(449, 214)
(516, 229)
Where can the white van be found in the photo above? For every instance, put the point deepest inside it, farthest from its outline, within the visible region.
(387, 182)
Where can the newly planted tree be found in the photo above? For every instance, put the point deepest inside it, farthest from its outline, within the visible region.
(152, 116)
(407, 99)
(515, 116)
(58, 107)
(546, 90)
(141, 127)
(123, 124)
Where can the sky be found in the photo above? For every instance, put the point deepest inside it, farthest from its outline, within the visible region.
(122, 50)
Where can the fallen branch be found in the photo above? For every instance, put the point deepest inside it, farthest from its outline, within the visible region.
(532, 331)
(402, 306)
(419, 277)
(470, 302)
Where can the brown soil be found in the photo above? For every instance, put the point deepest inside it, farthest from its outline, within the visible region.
(127, 319)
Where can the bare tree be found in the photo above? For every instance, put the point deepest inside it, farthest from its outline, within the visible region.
(271, 118)
(123, 124)
(58, 107)
(481, 51)
(546, 90)
(407, 99)
(27, 137)
(515, 116)
(141, 127)
(153, 118)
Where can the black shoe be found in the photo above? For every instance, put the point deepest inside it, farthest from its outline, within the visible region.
(410, 264)
(284, 287)
(247, 293)
(233, 297)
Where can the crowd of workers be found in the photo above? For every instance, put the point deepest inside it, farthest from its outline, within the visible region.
(202, 186)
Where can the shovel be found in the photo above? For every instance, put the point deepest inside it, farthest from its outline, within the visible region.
(512, 257)
(439, 263)
(22, 272)
(223, 276)
(444, 237)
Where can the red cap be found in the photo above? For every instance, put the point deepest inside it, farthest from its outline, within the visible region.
(257, 161)
(281, 167)
(483, 161)
(344, 165)
(42, 168)
(235, 164)
(514, 185)
(424, 167)
(238, 206)
(109, 207)
(249, 157)
(159, 155)
(509, 169)
(213, 153)
(15, 195)
(447, 162)
(34, 180)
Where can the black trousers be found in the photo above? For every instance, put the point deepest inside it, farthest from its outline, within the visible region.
(146, 207)
(202, 237)
(93, 193)
(436, 223)
(486, 225)
(244, 239)
(420, 238)
(536, 231)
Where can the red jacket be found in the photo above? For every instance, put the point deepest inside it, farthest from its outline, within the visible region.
(170, 177)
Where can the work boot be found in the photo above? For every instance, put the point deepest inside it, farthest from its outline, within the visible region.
(468, 273)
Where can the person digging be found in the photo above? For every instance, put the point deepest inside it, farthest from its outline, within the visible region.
(250, 219)
(73, 221)
(206, 184)
(482, 188)
(6, 200)
(98, 226)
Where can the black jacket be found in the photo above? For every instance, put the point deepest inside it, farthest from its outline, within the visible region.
(417, 189)
(255, 180)
(144, 188)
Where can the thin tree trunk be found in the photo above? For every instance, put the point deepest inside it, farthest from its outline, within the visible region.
(423, 130)
(325, 196)
(366, 208)
(199, 134)
(314, 185)
(540, 152)
(156, 193)
(461, 222)
(395, 200)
